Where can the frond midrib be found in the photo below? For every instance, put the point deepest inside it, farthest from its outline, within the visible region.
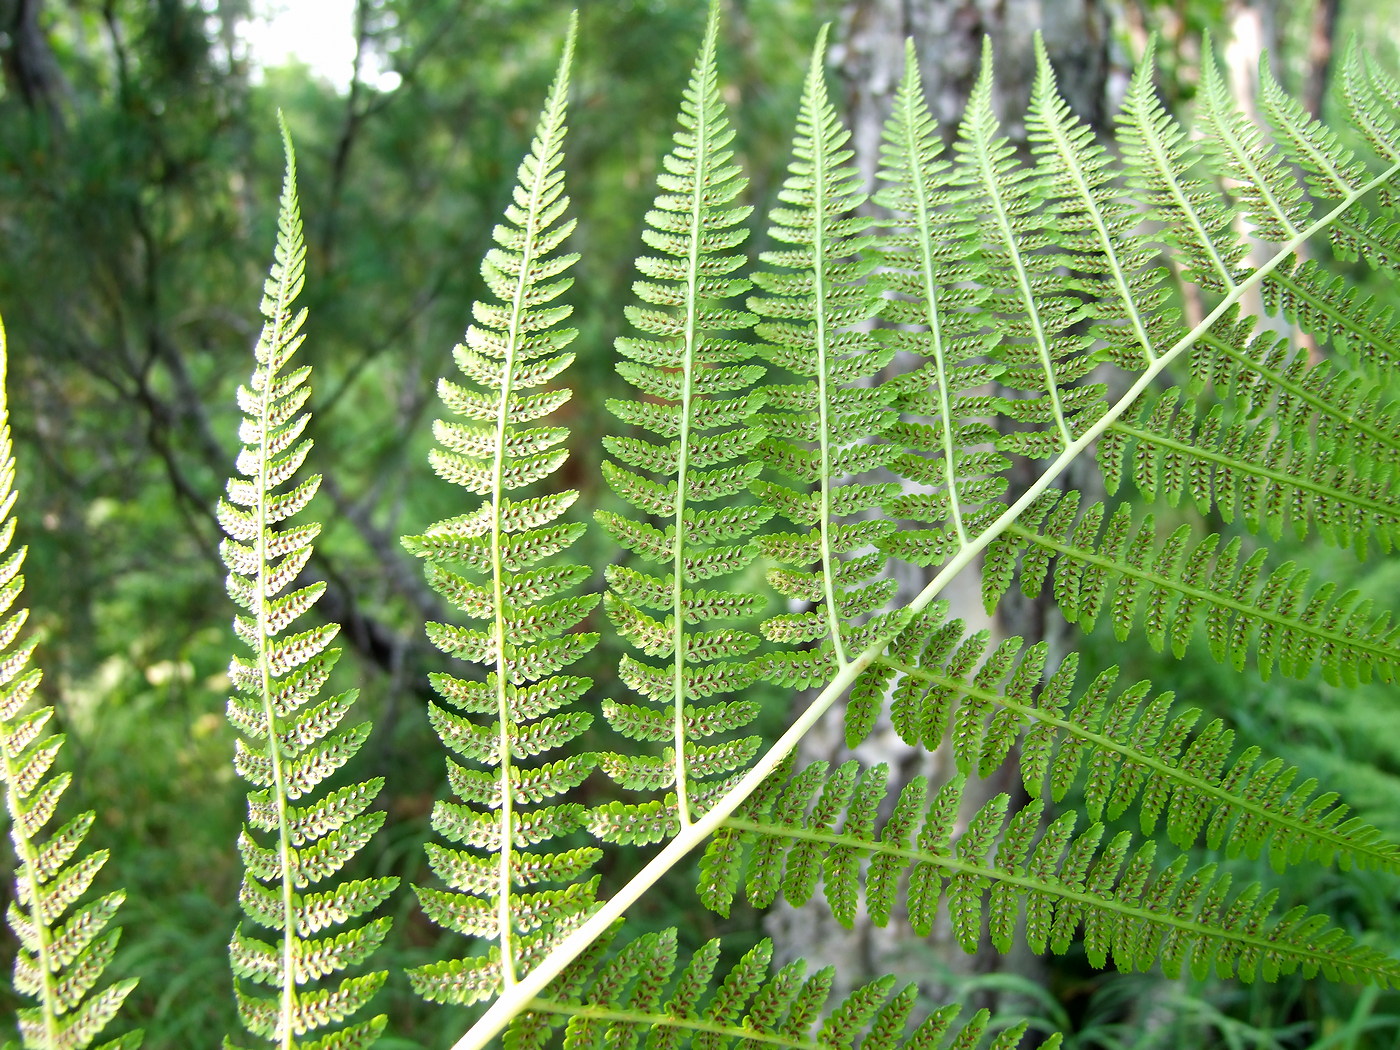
(281, 310)
(991, 186)
(919, 192)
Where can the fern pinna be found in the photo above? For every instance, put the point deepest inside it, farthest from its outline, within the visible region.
(826, 426)
(64, 942)
(289, 742)
(501, 564)
(695, 376)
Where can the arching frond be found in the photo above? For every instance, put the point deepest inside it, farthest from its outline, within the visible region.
(290, 741)
(517, 730)
(65, 935)
(690, 486)
(1052, 274)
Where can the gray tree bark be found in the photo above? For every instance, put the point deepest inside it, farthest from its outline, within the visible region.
(869, 57)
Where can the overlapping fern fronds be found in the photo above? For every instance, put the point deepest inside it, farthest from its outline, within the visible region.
(65, 940)
(689, 475)
(289, 742)
(1041, 277)
(504, 564)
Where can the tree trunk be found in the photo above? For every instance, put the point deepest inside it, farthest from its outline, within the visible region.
(869, 57)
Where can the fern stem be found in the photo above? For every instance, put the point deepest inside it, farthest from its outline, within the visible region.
(678, 556)
(504, 725)
(1067, 150)
(991, 180)
(919, 192)
(816, 91)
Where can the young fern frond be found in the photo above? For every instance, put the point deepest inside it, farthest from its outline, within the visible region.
(500, 564)
(289, 743)
(826, 427)
(687, 363)
(64, 942)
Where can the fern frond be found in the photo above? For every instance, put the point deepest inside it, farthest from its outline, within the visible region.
(1004, 868)
(290, 743)
(828, 425)
(501, 566)
(64, 942)
(638, 991)
(1119, 568)
(1029, 275)
(687, 362)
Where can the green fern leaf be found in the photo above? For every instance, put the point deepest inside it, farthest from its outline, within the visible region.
(65, 943)
(290, 742)
(686, 361)
(827, 423)
(494, 565)
(1063, 882)
(622, 998)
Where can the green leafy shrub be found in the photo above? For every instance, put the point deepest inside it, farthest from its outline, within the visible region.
(772, 429)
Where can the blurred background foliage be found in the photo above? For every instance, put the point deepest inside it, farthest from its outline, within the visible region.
(139, 163)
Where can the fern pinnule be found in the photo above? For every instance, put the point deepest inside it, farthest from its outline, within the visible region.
(827, 426)
(290, 743)
(1009, 865)
(688, 363)
(64, 942)
(501, 564)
